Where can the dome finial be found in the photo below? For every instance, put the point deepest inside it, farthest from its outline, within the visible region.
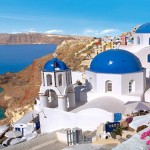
(55, 55)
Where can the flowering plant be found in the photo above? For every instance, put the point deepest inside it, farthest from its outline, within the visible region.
(144, 135)
(148, 142)
(129, 119)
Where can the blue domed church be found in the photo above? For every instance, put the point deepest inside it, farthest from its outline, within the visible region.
(56, 89)
(113, 78)
(116, 72)
(142, 35)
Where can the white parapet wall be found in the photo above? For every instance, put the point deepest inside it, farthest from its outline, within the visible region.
(76, 75)
(62, 136)
(87, 119)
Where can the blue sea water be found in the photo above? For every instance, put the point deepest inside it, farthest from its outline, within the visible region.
(2, 113)
(1, 89)
(14, 58)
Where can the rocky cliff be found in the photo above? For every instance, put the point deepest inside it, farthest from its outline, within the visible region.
(32, 38)
(20, 89)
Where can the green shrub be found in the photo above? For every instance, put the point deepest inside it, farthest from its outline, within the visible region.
(118, 131)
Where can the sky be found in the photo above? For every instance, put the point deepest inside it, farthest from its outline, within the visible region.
(73, 17)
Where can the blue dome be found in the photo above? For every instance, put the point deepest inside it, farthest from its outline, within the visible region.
(115, 61)
(51, 65)
(145, 28)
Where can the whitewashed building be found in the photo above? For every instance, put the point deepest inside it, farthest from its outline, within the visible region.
(141, 46)
(28, 124)
(56, 89)
(142, 35)
(116, 72)
(115, 76)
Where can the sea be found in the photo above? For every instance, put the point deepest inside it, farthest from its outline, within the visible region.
(14, 58)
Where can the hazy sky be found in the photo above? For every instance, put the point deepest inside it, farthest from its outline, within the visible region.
(81, 17)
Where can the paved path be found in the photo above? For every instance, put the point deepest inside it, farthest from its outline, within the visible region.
(84, 147)
(51, 145)
(91, 147)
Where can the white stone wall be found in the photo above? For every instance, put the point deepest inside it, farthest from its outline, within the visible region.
(114, 78)
(138, 78)
(135, 38)
(91, 81)
(144, 38)
(120, 82)
(76, 75)
(143, 56)
(87, 119)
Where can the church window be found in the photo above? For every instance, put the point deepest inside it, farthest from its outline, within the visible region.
(131, 86)
(138, 40)
(60, 79)
(35, 102)
(148, 57)
(49, 80)
(108, 86)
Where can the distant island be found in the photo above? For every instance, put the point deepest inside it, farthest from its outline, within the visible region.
(32, 38)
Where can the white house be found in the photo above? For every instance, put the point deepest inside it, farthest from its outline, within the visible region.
(28, 124)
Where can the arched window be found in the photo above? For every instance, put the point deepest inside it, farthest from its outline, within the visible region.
(60, 79)
(138, 40)
(49, 79)
(131, 86)
(35, 101)
(148, 58)
(108, 86)
(149, 41)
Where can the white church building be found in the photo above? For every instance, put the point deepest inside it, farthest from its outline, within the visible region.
(141, 48)
(116, 72)
(142, 35)
(56, 89)
(115, 76)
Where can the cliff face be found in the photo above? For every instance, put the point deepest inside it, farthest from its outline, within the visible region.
(32, 38)
(20, 89)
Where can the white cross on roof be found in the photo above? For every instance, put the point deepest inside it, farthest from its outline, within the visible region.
(55, 55)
